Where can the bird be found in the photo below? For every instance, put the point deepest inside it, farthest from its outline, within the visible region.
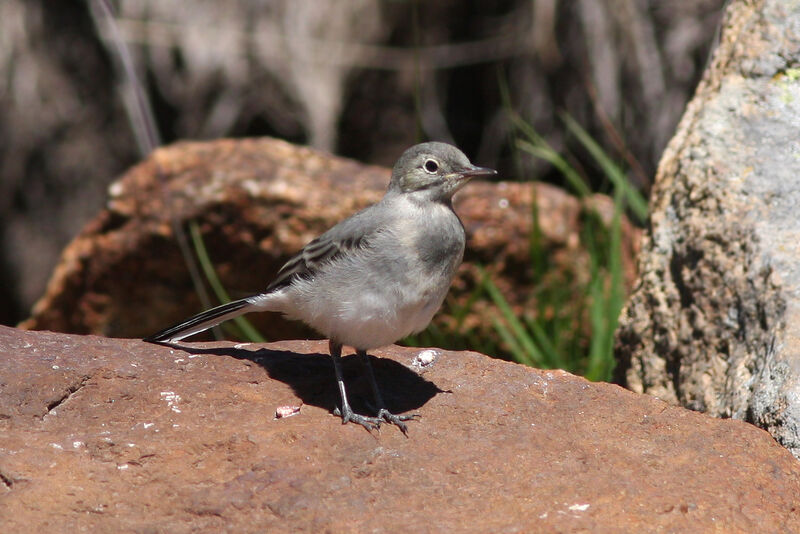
(373, 278)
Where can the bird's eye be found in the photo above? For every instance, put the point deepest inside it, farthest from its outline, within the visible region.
(431, 166)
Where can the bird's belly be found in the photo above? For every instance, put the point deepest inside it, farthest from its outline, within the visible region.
(374, 326)
(368, 314)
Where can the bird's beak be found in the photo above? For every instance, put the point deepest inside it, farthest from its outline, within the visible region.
(473, 171)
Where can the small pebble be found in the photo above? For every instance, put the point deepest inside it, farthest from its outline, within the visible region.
(286, 411)
(425, 358)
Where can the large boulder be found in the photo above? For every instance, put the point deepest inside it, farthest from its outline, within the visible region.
(714, 321)
(113, 435)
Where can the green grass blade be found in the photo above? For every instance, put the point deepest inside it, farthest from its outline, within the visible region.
(607, 300)
(634, 199)
(536, 251)
(528, 130)
(523, 340)
(545, 344)
(506, 336)
(244, 325)
(555, 159)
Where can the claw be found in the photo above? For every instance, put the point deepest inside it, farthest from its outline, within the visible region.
(370, 423)
(397, 420)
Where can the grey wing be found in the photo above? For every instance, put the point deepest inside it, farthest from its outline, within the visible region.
(349, 235)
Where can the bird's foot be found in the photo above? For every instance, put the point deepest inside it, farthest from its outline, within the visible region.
(374, 423)
(348, 416)
(397, 420)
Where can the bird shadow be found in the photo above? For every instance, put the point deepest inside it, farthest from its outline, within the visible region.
(312, 378)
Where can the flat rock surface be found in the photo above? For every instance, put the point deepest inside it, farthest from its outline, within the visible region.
(111, 435)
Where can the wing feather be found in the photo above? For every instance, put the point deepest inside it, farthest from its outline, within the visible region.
(349, 235)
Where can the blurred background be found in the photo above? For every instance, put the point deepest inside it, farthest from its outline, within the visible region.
(359, 78)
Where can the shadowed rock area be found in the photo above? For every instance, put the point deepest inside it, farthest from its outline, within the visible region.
(108, 435)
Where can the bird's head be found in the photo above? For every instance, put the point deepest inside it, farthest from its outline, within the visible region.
(436, 170)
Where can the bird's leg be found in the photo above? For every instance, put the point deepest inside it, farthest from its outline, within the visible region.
(346, 413)
(383, 413)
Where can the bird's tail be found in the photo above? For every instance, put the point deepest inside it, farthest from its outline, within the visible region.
(203, 321)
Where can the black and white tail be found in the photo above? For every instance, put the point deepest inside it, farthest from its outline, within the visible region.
(203, 321)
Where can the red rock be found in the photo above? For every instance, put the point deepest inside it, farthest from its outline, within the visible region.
(111, 435)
